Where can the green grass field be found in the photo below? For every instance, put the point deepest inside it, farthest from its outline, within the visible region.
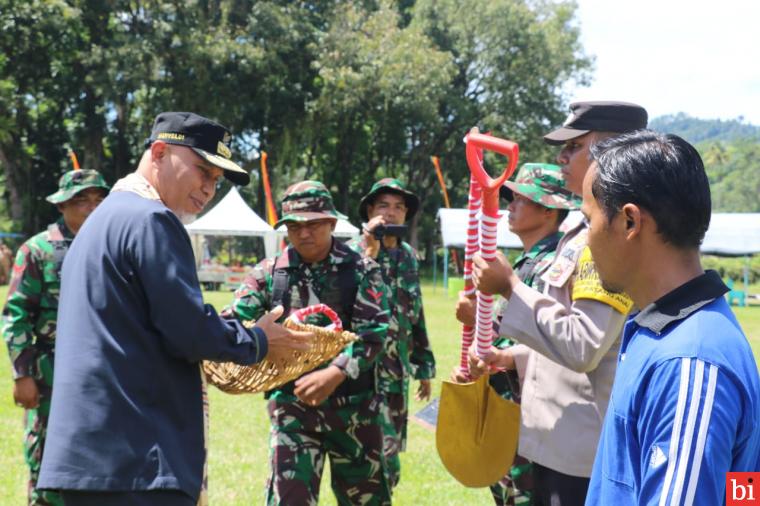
(239, 430)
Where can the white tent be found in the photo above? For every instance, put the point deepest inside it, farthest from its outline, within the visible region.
(345, 229)
(453, 224)
(733, 234)
(730, 234)
(232, 216)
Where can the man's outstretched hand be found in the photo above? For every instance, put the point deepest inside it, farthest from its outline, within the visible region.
(281, 341)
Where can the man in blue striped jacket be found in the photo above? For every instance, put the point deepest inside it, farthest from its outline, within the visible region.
(685, 404)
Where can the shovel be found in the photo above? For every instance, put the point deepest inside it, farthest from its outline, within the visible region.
(477, 430)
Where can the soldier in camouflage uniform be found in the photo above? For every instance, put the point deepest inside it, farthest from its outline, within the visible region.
(334, 409)
(407, 348)
(538, 203)
(29, 316)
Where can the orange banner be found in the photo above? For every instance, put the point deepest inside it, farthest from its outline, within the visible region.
(438, 172)
(271, 210)
(74, 160)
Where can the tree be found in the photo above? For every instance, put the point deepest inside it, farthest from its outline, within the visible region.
(37, 39)
(92, 75)
(372, 92)
(733, 174)
(513, 59)
(343, 92)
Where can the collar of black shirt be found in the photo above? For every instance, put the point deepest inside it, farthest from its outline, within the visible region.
(681, 302)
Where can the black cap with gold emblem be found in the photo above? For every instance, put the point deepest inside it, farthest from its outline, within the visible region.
(600, 116)
(210, 140)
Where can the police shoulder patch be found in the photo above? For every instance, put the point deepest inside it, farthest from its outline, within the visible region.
(565, 261)
(587, 285)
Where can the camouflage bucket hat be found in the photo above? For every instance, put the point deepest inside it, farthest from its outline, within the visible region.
(389, 185)
(75, 181)
(544, 184)
(307, 201)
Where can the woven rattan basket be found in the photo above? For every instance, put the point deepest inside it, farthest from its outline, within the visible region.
(266, 375)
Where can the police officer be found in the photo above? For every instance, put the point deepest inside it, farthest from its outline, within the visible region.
(332, 410)
(29, 316)
(407, 348)
(538, 204)
(574, 325)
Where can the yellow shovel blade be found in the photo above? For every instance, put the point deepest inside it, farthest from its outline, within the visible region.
(477, 432)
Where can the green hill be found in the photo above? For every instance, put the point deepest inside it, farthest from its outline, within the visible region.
(732, 167)
(697, 130)
(730, 150)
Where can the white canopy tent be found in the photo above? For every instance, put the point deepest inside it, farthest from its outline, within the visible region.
(232, 216)
(453, 223)
(734, 234)
(730, 234)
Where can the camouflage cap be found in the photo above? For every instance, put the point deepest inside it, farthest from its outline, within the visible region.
(307, 201)
(389, 185)
(544, 184)
(73, 182)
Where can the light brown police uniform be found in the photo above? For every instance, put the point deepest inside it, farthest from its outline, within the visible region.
(573, 329)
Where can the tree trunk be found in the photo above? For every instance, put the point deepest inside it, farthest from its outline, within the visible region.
(94, 125)
(122, 152)
(14, 186)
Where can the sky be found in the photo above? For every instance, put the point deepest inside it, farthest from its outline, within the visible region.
(699, 57)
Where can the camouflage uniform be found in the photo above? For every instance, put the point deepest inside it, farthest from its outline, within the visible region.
(29, 320)
(543, 184)
(345, 426)
(407, 348)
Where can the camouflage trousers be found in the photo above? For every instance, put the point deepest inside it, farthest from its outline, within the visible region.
(394, 414)
(302, 437)
(515, 488)
(35, 432)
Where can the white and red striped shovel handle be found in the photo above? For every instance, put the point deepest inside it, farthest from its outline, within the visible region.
(474, 202)
(476, 143)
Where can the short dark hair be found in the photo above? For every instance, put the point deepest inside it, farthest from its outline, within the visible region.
(661, 173)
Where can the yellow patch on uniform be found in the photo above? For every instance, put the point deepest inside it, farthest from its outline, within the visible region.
(587, 285)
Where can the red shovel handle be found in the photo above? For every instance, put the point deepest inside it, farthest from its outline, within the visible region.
(476, 143)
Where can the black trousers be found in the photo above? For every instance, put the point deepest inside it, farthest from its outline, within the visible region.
(552, 488)
(142, 498)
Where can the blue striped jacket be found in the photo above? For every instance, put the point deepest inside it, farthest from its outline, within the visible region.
(685, 404)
